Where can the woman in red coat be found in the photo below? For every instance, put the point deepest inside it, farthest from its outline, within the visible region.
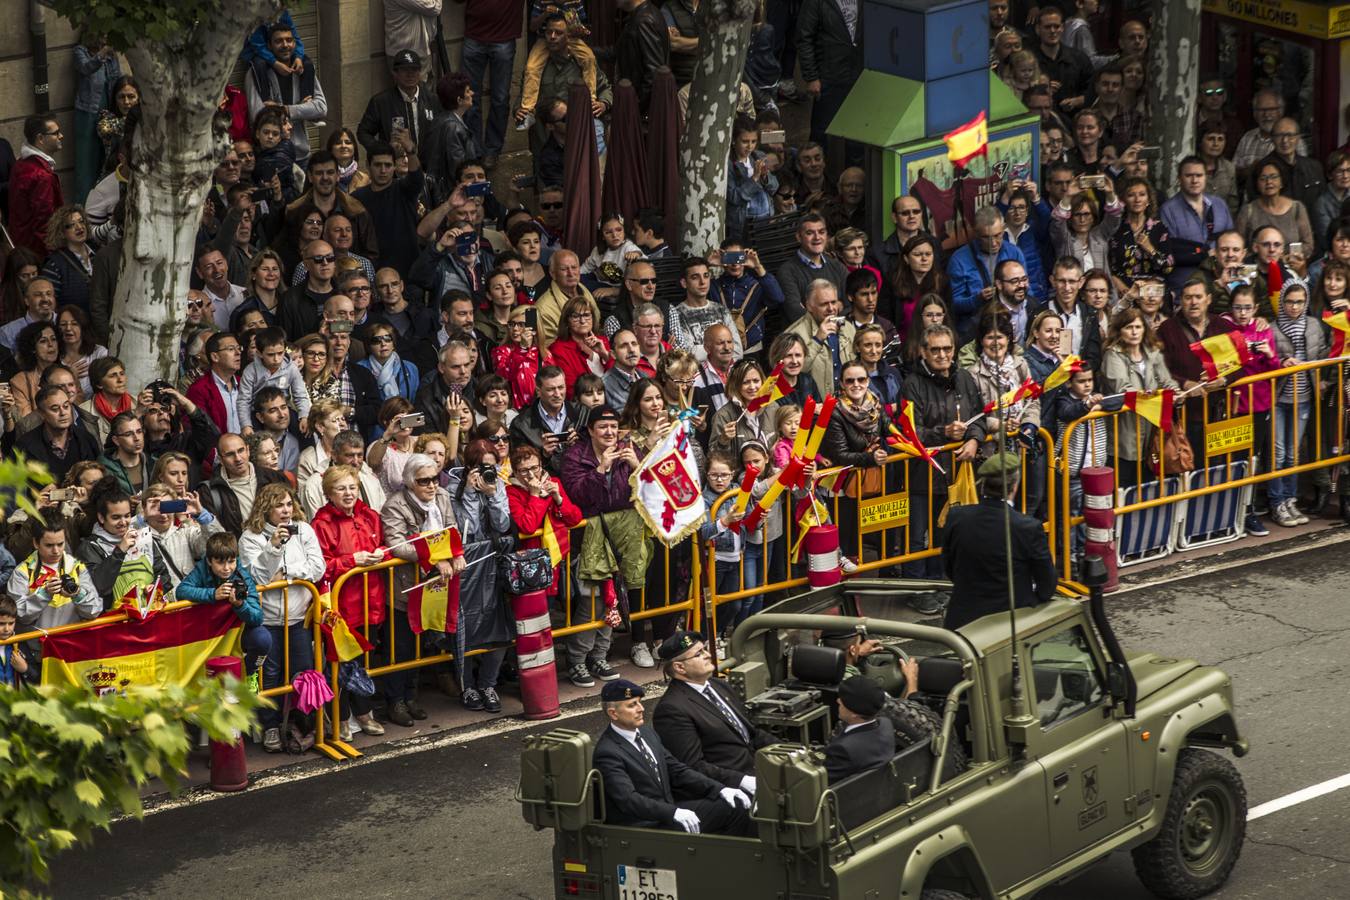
(350, 535)
(579, 349)
(534, 496)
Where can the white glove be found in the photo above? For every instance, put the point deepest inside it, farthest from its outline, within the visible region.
(735, 798)
(748, 784)
(688, 819)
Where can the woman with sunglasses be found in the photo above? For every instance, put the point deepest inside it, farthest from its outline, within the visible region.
(420, 505)
(395, 376)
(856, 436)
(387, 455)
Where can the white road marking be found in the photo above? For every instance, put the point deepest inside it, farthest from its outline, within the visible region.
(317, 766)
(1297, 797)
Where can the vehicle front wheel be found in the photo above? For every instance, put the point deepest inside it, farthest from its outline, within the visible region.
(1202, 832)
(930, 894)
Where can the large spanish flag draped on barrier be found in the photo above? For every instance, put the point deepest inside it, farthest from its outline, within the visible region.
(163, 649)
(434, 606)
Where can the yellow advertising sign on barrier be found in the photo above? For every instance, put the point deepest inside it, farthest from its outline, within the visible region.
(889, 511)
(1228, 436)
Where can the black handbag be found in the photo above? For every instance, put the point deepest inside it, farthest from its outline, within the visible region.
(525, 571)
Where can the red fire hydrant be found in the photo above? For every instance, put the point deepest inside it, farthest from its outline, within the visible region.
(229, 771)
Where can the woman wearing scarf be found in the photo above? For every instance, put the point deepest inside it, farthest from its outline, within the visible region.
(1299, 338)
(108, 377)
(856, 436)
(422, 506)
(395, 376)
(869, 344)
(997, 371)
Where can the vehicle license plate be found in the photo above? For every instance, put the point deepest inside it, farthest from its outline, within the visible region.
(647, 884)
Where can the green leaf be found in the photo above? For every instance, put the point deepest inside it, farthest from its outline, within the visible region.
(153, 721)
(61, 839)
(78, 733)
(88, 792)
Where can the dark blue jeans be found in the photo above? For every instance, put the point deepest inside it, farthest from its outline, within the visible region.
(496, 61)
(256, 642)
(275, 671)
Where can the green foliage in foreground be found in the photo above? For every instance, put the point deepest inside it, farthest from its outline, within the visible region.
(71, 761)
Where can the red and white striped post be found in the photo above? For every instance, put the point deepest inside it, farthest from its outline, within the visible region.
(822, 555)
(1099, 517)
(534, 654)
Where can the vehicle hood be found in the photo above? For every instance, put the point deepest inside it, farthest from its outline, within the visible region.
(1153, 672)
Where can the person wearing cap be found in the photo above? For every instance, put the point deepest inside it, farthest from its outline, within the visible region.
(407, 106)
(866, 741)
(700, 720)
(647, 787)
(974, 551)
(857, 646)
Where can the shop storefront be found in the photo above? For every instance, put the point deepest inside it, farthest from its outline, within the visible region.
(1296, 48)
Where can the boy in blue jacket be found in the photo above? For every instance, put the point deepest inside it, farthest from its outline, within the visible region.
(218, 578)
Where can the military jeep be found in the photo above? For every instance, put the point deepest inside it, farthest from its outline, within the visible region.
(1008, 788)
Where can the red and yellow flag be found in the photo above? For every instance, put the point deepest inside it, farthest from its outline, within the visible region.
(789, 475)
(166, 649)
(968, 141)
(810, 513)
(775, 387)
(1155, 406)
(1222, 354)
(742, 498)
(437, 546)
(435, 606)
(1071, 364)
(1274, 284)
(905, 436)
(1340, 330)
(340, 642)
(548, 537)
(1027, 390)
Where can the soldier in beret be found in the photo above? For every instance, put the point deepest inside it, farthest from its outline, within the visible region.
(866, 741)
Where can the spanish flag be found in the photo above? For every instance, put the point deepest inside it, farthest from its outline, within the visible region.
(836, 482)
(905, 436)
(1071, 364)
(742, 498)
(1274, 284)
(1340, 328)
(437, 546)
(968, 141)
(810, 512)
(435, 606)
(341, 643)
(775, 387)
(548, 537)
(1027, 390)
(1222, 354)
(1155, 406)
(166, 649)
(789, 475)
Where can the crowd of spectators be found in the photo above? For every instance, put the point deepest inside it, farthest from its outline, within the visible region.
(377, 345)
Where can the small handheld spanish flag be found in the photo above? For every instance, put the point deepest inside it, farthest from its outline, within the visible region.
(1071, 364)
(775, 388)
(1274, 284)
(1027, 390)
(968, 141)
(1222, 354)
(1155, 406)
(1340, 330)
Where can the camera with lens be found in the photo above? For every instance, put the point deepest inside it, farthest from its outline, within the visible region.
(487, 472)
(70, 587)
(159, 392)
(236, 583)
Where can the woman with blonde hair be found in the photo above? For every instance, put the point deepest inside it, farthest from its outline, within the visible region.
(327, 419)
(277, 544)
(1133, 361)
(266, 284)
(70, 264)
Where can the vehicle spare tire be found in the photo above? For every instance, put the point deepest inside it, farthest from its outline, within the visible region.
(913, 722)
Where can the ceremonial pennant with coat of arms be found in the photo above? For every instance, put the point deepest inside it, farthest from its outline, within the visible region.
(666, 489)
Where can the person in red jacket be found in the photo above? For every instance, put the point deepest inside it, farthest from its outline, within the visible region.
(34, 189)
(350, 534)
(534, 497)
(579, 349)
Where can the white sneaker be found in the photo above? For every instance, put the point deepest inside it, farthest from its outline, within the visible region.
(847, 566)
(1283, 516)
(1295, 512)
(642, 657)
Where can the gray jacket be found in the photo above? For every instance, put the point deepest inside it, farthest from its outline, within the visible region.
(1120, 375)
(403, 517)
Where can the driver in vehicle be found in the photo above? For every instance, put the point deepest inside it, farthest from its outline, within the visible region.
(644, 783)
(699, 718)
(866, 740)
(858, 646)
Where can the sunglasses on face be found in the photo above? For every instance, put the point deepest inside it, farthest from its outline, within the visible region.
(381, 339)
(425, 482)
(550, 206)
(643, 281)
(323, 260)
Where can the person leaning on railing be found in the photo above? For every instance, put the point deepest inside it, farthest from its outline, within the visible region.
(1299, 338)
(1132, 361)
(278, 544)
(422, 505)
(536, 497)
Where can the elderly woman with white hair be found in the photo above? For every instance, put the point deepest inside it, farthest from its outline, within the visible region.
(421, 506)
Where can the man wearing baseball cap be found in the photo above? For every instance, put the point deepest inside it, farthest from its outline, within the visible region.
(866, 740)
(407, 106)
(647, 787)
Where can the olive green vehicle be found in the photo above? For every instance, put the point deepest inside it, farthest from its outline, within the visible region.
(1000, 787)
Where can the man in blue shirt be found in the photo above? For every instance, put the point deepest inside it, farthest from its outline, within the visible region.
(1194, 217)
(971, 269)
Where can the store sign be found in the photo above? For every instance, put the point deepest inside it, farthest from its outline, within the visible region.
(890, 511)
(1310, 19)
(1228, 436)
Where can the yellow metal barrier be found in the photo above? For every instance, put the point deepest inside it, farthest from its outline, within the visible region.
(1231, 420)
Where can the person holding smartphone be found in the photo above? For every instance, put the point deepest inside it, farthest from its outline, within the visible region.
(178, 527)
(388, 455)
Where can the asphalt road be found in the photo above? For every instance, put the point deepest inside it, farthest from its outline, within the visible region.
(440, 821)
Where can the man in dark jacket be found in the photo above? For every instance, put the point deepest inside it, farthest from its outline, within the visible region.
(866, 741)
(406, 106)
(829, 48)
(57, 442)
(229, 495)
(550, 423)
(946, 402)
(644, 782)
(451, 378)
(1080, 320)
(975, 556)
(644, 47)
(700, 720)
